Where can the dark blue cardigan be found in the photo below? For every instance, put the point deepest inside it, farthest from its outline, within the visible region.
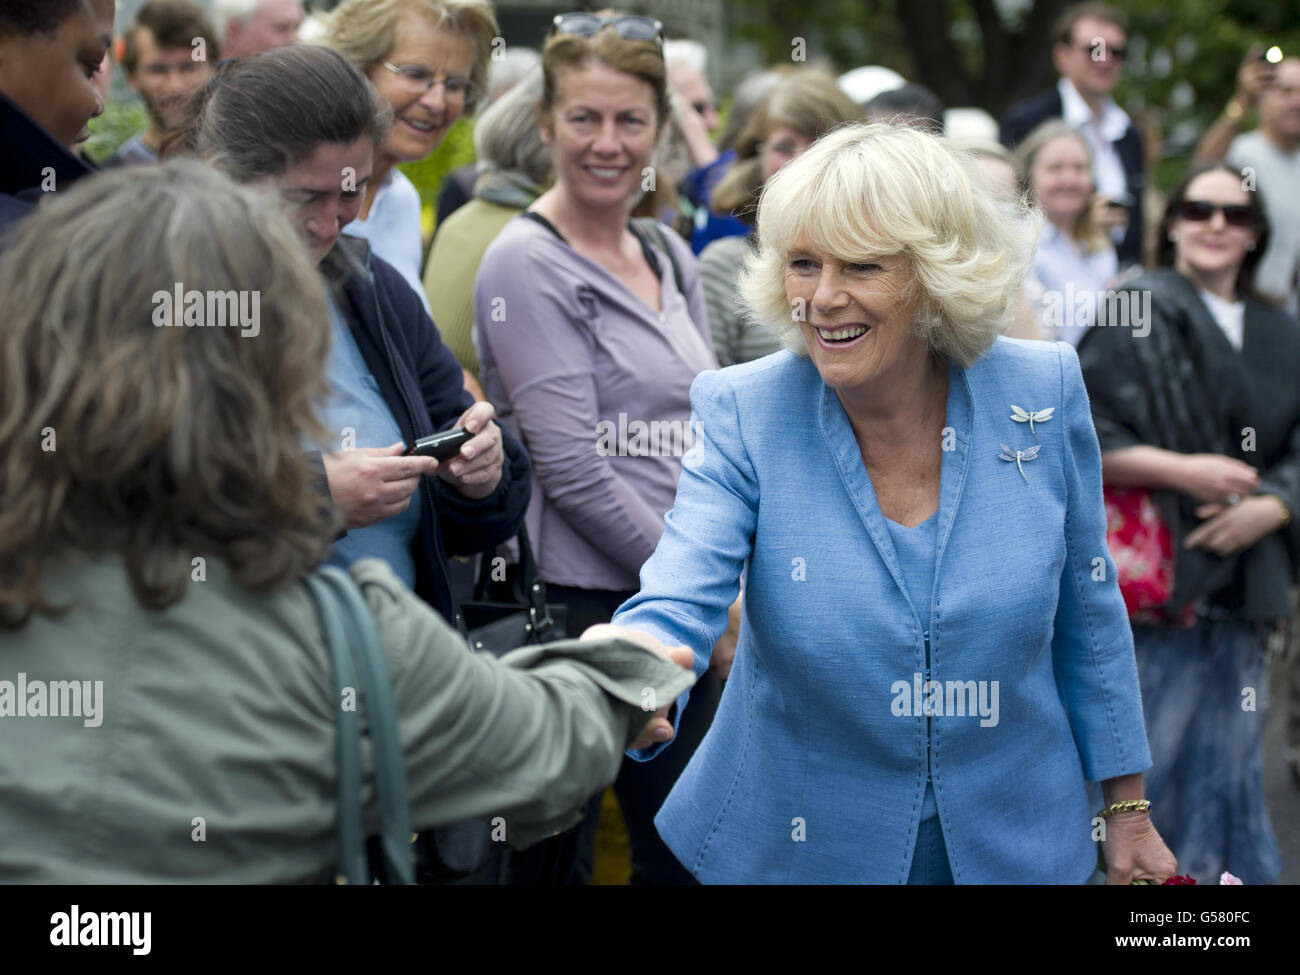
(422, 383)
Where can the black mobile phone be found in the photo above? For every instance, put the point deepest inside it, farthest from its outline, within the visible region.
(440, 446)
(1121, 202)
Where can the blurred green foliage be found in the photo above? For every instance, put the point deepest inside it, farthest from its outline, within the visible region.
(120, 121)
(457, 150)
(1182, 61)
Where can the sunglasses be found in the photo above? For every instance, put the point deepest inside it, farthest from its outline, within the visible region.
(1102, 53)
(1234, 214)
(631, 27)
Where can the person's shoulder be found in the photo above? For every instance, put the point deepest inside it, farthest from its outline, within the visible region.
(1247, 144)
(1028, 112)
(725, 252)
(519, 239)
(402, 189)
(752, 383)
(1015, 363)
(681, 248)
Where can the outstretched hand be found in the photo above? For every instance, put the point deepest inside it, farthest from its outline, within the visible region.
(658, 728)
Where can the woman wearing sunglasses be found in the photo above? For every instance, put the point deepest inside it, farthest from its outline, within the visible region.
(429, 59)
(1194, 396)
(589, 330)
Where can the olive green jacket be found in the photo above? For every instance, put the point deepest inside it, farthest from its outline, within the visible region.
(210, 756)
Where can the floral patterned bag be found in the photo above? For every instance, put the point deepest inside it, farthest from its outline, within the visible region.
(1142, 546)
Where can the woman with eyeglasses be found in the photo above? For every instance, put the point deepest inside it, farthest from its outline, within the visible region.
(1075, 262)
(429, 59)
(1192, 382)
(590, 329)
(799, 110)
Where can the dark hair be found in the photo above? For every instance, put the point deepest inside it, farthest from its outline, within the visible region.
(914, 102)
(23, 18)
(1165, 253)
(173, 24)
(258, 116)
(1063, 28)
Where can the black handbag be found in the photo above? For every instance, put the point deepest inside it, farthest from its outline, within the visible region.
(499, 626)
(520, 615)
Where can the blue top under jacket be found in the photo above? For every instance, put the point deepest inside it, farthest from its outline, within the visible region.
(814, 770)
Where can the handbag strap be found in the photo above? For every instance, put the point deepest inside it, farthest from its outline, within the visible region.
(347, 621)
(529, 589)
(352, 865)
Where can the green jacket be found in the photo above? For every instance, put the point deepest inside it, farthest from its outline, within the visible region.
(211, 755)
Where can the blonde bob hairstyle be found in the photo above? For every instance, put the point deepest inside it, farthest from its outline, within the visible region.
(365, 32)
(172, 441)
(872, 190)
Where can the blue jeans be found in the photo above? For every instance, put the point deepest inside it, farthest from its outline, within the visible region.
(1204, 696)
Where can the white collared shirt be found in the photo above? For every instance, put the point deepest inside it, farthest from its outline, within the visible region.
(1101, 135)
(393, 229)
(1231, 316)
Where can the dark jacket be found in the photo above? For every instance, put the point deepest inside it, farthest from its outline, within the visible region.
(1023, 117)
(32, 162)
(422, 384)
(1183, 387)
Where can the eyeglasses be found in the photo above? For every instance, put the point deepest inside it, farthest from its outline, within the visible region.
(1234, 214)
(456, 88)
(1106, 53)
(182, 68)
(631, 27)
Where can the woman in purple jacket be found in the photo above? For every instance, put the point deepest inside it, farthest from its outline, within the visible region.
(590, 329)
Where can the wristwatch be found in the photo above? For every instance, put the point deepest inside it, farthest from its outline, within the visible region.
(1234, 110)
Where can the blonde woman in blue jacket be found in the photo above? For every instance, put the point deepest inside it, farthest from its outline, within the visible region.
(934, 658)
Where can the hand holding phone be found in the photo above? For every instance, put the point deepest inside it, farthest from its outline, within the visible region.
(440, 446)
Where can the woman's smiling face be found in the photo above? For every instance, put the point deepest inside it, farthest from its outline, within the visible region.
(856, 318)
(601, 130)
(422, 116)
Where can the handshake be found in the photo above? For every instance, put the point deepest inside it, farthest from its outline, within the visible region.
(658, 729)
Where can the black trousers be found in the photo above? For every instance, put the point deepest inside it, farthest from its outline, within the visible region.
(641, 787)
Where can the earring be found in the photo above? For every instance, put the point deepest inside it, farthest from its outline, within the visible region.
(1250, 246)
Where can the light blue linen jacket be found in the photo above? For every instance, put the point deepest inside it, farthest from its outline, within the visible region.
(810, 773)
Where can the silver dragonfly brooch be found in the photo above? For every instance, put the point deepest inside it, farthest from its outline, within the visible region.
(1016, 456)
(1031, 417)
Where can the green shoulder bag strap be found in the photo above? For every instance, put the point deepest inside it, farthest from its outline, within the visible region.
(361, 676)
(651, 226)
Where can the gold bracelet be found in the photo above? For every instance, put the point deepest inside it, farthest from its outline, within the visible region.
(1234, 110)
(1127, 805)
(1286, 513)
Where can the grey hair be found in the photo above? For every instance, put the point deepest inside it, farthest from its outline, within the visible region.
(224, 11)
(507, 136)
(516, 64)
(692, 54)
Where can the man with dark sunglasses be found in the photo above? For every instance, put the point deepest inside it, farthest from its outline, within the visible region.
(1091, 43)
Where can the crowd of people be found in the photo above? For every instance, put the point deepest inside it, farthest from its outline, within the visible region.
(914, 492)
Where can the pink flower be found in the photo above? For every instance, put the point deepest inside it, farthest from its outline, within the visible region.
(1227, 878)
